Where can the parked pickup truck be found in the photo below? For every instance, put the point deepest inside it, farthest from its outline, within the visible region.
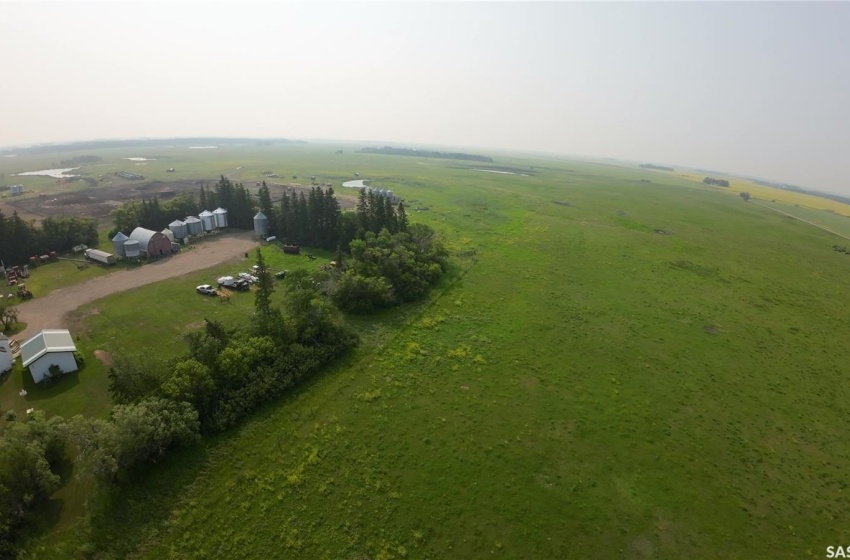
(206, 289)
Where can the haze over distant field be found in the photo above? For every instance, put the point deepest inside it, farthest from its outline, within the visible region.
(750, 88)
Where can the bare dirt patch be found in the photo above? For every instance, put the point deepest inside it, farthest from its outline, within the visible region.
(104, 357)
(98, 201)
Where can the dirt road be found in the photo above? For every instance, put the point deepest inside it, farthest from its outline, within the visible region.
(824, 228)
(50, 312)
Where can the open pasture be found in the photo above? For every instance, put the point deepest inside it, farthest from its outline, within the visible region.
(613, 368)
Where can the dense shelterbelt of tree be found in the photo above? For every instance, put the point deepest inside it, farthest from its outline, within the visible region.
(376, 213)
(31, 454)
(20, 239)
(388, 269)
(310, 220)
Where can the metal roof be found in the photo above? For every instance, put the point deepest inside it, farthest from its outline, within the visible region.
(176, 223)
(260, 216)
(219, 211)
(48, 340)
(205, 214)
(120, 237)
(191, 220)
(143, 236)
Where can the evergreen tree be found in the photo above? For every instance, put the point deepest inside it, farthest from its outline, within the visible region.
(402, 217)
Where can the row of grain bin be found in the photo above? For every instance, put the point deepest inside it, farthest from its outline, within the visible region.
(205, 222)
(150, 243)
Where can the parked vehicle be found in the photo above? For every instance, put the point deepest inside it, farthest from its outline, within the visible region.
(234, 283)
(206, 290)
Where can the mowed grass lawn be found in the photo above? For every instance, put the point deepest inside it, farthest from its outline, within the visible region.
(644, 370)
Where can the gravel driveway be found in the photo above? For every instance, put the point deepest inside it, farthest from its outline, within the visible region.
(50, 311)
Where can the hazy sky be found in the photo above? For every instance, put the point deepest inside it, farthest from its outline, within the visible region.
(754, 88)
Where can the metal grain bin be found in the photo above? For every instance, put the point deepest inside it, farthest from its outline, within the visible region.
(261, 225)
(220, 217)
(118, 244)
(179, 230)
(193, 225)
(207, 220)
(131, 249)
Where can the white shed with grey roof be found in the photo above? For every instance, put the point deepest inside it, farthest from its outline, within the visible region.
(50, 347)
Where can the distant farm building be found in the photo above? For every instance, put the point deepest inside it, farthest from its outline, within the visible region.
(129, 175)
(5, 354)
(152, 244)
(16, 190)
(46, 349)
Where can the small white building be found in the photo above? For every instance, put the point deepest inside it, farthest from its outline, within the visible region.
(6, 360)
(47, 348)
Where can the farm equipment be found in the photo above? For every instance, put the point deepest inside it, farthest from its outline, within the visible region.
(23, 292)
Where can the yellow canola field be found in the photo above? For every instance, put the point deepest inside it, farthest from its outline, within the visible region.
(762, 192)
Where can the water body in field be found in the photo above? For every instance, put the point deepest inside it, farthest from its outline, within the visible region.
(202, 147)
(55, 173)
(358, 184)
(11, 155)
(501, 172)
(139, 159)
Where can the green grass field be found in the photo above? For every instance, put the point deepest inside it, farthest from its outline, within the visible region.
(623, 369)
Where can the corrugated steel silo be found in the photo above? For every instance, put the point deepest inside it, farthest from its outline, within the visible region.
(179, 230)
(193, 225)
(118, 243)
(169, 234)
(220, 217)
(207, 220)
(261, 225)
(131, 249)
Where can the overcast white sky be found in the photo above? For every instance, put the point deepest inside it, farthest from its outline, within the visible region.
(759, 88)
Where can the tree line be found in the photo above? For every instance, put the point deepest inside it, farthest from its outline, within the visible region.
(23, 239)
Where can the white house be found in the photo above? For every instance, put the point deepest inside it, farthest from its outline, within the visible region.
(48, 348)
(5, 354)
